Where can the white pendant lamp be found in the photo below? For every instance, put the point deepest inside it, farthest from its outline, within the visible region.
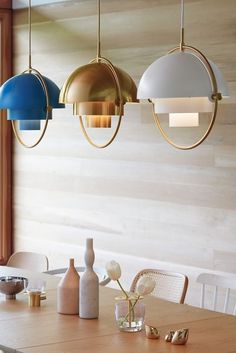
(183, 84)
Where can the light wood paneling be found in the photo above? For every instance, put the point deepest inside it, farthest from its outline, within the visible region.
(139, 198)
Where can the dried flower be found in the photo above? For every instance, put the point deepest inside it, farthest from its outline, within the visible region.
(113, 270)
(145, 286)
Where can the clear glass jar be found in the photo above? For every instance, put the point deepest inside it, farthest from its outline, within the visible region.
(130, 314)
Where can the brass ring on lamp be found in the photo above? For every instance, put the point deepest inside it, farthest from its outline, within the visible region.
(215, 97)
(48, 108)
(117, 82)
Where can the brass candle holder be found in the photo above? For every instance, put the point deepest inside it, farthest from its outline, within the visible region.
(34, 298)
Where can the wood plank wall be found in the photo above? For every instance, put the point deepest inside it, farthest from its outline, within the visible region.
(144, 203)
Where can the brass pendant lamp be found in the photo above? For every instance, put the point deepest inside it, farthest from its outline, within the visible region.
(98, 91)
(183, 84)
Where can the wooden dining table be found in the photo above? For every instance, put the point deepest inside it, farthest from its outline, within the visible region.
(42, 330)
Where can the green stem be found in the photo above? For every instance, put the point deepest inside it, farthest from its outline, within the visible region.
(131, 309)
(129, 312)
(125, 293)
(135, 302)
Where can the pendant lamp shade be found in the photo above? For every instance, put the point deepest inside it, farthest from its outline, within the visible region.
(183, 84)
(29, 97)
(98, 91)
(92, 90)
(24, 97)
(179, 75)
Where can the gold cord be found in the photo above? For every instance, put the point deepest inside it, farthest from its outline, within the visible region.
(29, 25)
(182, 26)
(99, 31)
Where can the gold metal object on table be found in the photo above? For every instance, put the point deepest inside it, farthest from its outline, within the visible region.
(180, 336)
(34, 298)
(169, 336)
(152, 332)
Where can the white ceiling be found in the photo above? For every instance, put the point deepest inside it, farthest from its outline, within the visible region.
(19, 4)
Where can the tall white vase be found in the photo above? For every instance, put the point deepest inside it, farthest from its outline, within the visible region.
(68, 292)
(89, 286)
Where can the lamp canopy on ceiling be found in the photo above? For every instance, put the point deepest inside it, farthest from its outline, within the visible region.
(98, 91)
(183, 81)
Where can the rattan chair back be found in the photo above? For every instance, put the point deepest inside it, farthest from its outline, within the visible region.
(169, 285)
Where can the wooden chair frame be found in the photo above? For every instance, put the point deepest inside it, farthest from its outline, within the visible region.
(217, 281)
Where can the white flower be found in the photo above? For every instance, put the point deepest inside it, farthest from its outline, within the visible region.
(145, 286)
(113, 270)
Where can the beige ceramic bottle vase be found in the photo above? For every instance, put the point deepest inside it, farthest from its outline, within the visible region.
(89, 291)
(68, 292)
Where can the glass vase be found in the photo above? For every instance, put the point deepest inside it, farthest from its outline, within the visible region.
(130, 315)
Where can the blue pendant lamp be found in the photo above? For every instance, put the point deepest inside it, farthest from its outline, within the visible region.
(29, 98)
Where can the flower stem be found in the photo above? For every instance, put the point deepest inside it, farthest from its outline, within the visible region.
(136, 300)
(131, 309)
(125, 293)
(129, 312)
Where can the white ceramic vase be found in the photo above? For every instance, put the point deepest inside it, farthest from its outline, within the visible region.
(68, 292)
(89, 286)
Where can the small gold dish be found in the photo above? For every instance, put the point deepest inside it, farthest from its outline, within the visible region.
(152, 332)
